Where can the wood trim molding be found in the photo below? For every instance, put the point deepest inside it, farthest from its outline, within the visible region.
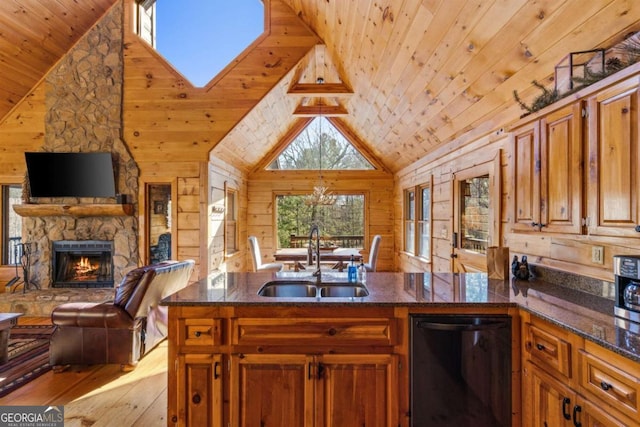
(78, 211)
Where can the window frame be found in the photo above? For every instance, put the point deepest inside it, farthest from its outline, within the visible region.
(6, 216)
(231, 244)
(413, 219)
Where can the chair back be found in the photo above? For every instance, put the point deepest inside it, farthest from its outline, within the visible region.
(255, 252)
(373, 251)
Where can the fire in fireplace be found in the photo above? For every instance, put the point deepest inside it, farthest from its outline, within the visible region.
(82, 264)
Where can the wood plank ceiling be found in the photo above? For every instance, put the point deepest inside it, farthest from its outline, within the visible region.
(34, 35)
(425, 72)
(422, 72)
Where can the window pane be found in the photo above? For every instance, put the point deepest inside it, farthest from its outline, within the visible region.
(410, 205)
(231, 236)
(409, 233)
(474, 221)
(12, 224)
(341, 224)
(426, 204)
(423, 242)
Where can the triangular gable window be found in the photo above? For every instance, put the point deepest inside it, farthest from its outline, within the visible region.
(320, 146)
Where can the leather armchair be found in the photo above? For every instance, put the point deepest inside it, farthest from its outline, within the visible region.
(123, 330)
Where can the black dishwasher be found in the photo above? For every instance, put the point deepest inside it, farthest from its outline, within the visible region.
(460, 371)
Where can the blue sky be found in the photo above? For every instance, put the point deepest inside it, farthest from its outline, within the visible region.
(201, 37)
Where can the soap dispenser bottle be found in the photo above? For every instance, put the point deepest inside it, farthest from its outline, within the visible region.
(362, 272)
(352, 273)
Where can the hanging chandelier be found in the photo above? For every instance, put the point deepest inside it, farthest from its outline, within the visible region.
(321, 196)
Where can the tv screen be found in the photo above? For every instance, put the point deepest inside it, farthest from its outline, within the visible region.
(70, 174)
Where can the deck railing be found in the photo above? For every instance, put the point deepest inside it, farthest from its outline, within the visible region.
(343, 241)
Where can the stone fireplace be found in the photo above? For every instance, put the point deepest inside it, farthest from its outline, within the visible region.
(83, 99)
(82, 264)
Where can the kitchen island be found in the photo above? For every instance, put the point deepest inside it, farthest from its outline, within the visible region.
(232, 352)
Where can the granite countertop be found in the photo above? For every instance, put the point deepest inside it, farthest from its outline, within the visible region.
(588, 315)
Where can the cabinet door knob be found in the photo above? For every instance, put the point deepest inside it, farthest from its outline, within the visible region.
(196, 398)
(332, 331)
(197, 334)
(540, 347)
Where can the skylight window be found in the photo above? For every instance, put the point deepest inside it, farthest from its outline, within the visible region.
(200, 38)
(306, 153)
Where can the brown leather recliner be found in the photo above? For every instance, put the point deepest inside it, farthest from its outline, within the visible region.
(121, 331)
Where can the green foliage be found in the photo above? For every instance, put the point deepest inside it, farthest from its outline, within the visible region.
(294, 216)
(546, 98)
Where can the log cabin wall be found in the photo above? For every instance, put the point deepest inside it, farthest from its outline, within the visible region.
(224, 177)
(582, 185)
(377, 186)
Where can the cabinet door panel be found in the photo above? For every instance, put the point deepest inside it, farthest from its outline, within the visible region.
(561, 170)
(200, 389)
(613, 161)
(526, 185)
(356, 390)
(547, 402)
(271, 390)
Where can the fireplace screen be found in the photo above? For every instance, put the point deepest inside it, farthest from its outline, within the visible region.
(84, 263)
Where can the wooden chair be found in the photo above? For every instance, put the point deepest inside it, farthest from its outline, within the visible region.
(373, 253)
(254, 247)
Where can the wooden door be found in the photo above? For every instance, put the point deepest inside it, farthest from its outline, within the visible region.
(525, 185)
(546, 401)
(614, 161)
(356, 390)
(561, 171)
(472, 237)
(271, 390)
(200, 390)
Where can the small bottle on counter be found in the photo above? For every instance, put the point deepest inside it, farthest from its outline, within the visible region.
(362, 272)
(352, 272)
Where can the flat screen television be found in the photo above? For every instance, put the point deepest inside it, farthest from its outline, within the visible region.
(70, 174)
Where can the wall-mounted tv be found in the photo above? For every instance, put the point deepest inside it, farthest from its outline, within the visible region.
(71, 174)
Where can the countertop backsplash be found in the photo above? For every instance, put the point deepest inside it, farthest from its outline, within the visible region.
(597, 287)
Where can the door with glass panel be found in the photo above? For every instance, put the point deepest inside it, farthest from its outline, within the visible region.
(476, 221)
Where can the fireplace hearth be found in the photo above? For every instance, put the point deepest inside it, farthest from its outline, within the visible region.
(82, 264)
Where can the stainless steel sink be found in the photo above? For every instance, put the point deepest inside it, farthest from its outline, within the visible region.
(288, 289)
(306, 289)
(344, 290)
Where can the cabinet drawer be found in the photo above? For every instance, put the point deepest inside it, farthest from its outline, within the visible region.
(610, 381)
(548, 350)
(201, 332)
(355, 332)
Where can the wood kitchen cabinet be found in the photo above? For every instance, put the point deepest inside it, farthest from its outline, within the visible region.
(312, 390)
(575, 170)
(614, 160)
(547, 172)
(298, 367)
(568, 381)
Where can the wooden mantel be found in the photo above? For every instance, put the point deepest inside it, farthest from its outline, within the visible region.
(82, 210)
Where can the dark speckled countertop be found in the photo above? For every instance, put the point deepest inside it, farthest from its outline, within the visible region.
(586, 314)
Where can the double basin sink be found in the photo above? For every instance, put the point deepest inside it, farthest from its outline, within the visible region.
(311, 289)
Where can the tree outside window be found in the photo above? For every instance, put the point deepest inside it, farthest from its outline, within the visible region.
(409, 221)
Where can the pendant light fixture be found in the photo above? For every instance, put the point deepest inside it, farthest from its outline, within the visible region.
(321, 194)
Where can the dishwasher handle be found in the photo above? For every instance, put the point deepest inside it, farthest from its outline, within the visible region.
(483, 325)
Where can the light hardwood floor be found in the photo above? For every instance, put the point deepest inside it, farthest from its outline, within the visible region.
(102, 395)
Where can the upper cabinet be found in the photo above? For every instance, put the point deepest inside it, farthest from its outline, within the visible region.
(547, 172)
(613, 181)
(574, 169)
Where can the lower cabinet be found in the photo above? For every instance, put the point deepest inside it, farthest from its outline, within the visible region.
(199, 391)
(313, 390)
(567, 381)
(548, 402)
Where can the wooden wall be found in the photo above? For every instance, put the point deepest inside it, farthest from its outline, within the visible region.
(375, 185)
(223, 176)
(568, 251)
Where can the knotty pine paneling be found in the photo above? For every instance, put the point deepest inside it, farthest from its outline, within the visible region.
(378, 190)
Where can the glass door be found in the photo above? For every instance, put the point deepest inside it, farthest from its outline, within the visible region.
(476, 207)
